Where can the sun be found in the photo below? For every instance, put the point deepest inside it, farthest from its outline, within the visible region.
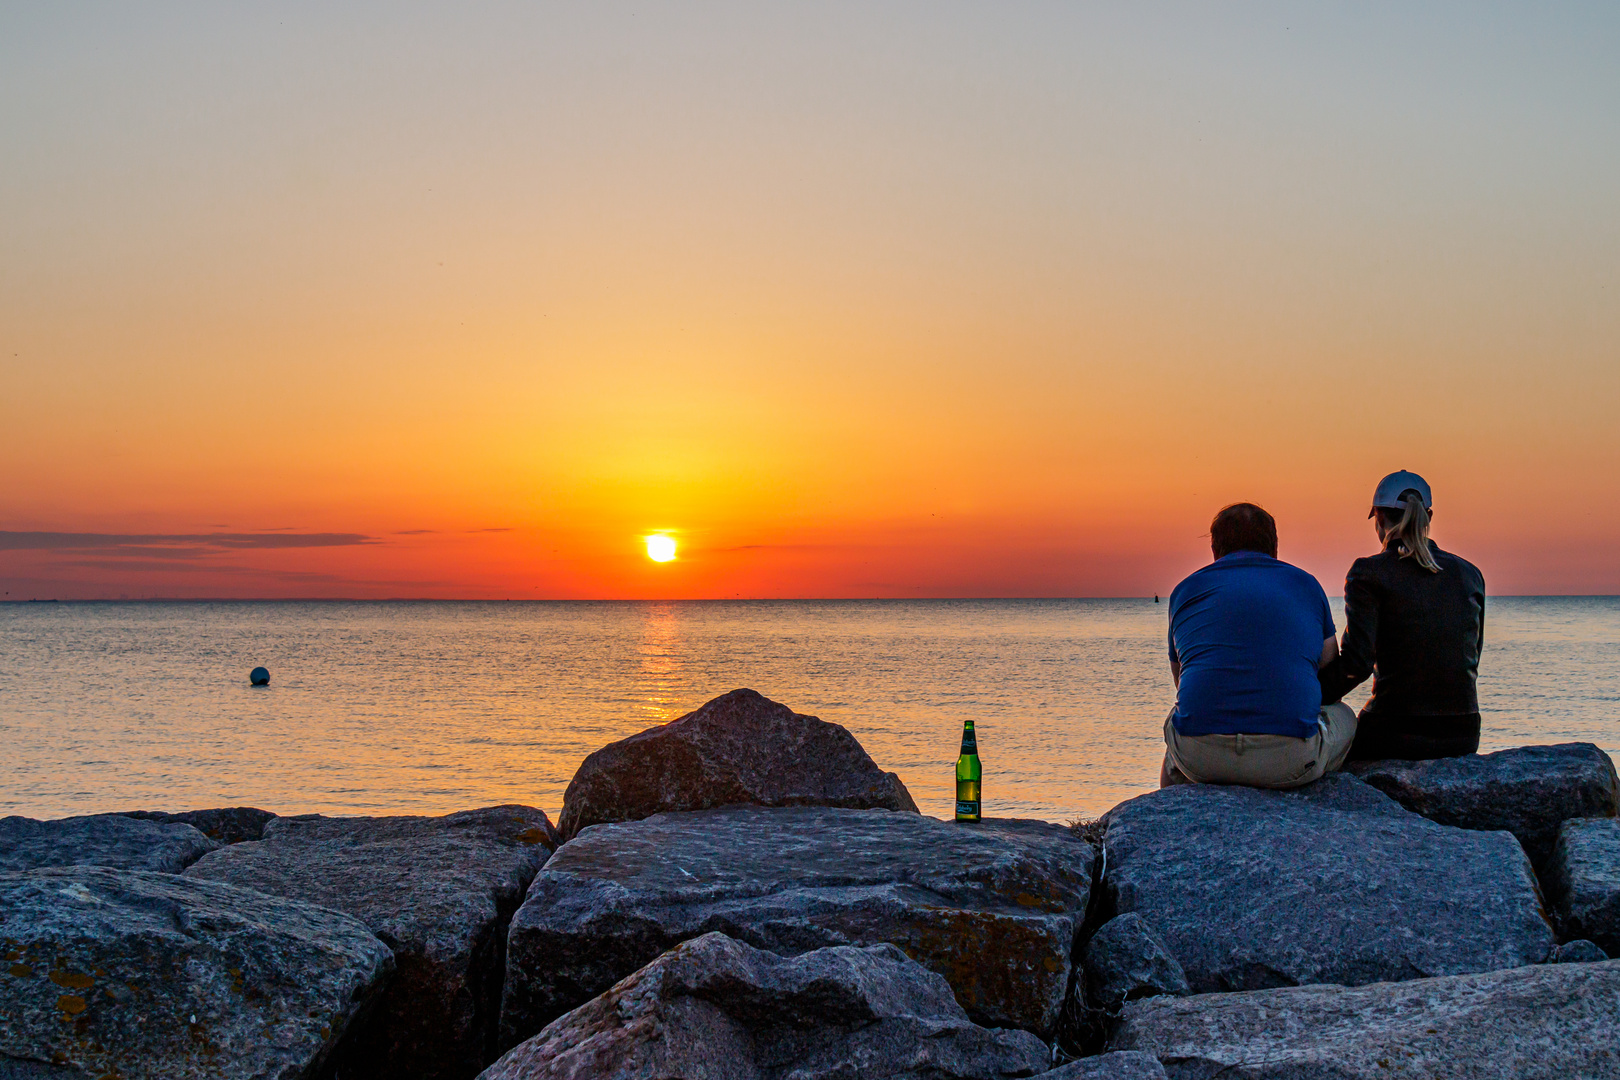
(660, 548)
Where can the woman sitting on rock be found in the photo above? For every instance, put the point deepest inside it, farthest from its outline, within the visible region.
(1415, 621)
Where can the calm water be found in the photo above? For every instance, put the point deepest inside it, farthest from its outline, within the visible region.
(433, 707)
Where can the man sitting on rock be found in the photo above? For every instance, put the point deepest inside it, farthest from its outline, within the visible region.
(1247, 635)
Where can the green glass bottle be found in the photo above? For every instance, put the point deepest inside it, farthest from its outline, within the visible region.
(967, 776)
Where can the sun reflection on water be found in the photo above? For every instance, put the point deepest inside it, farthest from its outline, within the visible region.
(658, 678)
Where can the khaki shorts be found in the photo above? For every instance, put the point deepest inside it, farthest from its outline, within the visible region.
(1266, 761)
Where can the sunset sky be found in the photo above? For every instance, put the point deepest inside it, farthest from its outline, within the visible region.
(926, 299)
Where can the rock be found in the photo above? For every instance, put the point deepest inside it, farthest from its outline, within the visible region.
(16, 1069)
(1120, 1065)
(715, 1007)
(1125, 960)
(1528, 791)
(1577, 952)
(993, 907)
(142, 975)
(1333, 882)
(228, 825)
(113, 840)
(1551, 1022)
(739, 748)
(439, 891)
(1584, 882)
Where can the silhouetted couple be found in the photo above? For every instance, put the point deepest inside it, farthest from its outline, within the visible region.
(1260, 673)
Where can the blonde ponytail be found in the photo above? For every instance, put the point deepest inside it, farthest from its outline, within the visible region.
(1410, 535)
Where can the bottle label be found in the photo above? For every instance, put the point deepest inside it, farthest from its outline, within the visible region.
(967, 810)
(970, 745)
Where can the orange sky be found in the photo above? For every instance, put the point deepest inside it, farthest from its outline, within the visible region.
(927, 300)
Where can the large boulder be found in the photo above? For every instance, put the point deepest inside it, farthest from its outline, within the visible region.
(1584, 880)
(112, 840)
(1120, 1065)
(739, 748)
(439, 891)
(1528, 791)
(1579, 951)
(1333, 882)
(993, 907)
(1126, 960)
(227, 824)
(141, 975)
(716, 1007)
(1552, 1022)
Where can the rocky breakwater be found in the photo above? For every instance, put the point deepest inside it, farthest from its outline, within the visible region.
(439, 891)
(718, 1008)
(811, 926)
(995, 908)
(148, 976)
(1333, 883)
(740, 748)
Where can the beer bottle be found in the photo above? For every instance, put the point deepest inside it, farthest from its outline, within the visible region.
(967, 776)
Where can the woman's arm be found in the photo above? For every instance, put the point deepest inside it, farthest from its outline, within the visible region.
(1356, 655)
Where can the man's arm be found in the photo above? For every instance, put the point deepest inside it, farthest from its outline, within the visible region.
(1175, 657)
(1330, 653)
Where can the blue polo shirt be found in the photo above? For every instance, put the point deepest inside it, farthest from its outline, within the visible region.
(1248, 630)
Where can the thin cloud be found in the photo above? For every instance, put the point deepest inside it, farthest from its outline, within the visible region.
(138, 564)
(163, 566)
(415, 532)
(504, 528)
(175, 545)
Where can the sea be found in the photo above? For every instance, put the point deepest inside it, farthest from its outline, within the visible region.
(406, 707)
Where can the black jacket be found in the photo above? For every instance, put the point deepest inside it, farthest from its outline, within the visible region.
(1418, 632)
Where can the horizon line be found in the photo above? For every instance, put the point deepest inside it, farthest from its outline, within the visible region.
(660, 599)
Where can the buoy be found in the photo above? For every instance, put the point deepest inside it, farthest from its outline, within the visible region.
(259, 676)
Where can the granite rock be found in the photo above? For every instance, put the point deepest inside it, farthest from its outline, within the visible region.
(1119, 1065)
(1583, 879)
(438, 890)
(148, 976)
(739, 748)
(716, 1008)
(1528, 791)
(993, 907)
(1577, 952)
(228, 825)
(112, 840)
(1550, 1022)
(1125, 960)
(17, 1069)
(1333, 882)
